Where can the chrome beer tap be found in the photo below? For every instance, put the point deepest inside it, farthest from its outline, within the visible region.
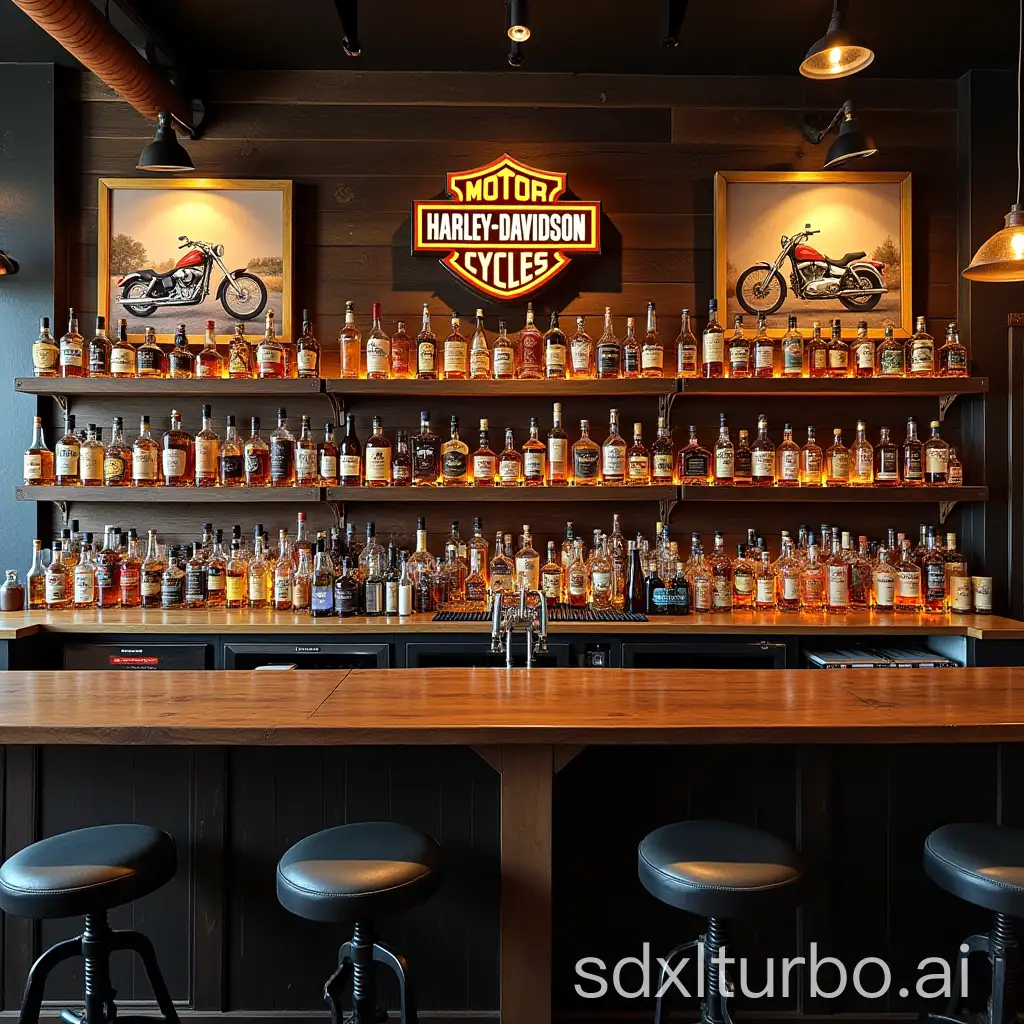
(506, 618)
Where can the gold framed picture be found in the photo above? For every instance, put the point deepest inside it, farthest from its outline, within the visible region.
(189, 250)
(816, 245)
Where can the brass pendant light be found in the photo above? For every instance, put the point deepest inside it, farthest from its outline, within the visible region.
(1001, 257)
(836, 54)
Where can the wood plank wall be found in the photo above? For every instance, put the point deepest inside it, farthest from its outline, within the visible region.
(359, 147)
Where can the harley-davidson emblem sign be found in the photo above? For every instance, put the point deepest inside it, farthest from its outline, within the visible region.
(504, 230)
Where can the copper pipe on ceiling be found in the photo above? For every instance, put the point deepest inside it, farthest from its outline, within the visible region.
(83, 31)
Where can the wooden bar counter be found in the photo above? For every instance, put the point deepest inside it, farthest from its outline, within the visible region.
(527, 725)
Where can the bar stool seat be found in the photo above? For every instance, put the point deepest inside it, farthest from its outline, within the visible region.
(358, 872)
(86, 871)
(981, 863)
(717, 869)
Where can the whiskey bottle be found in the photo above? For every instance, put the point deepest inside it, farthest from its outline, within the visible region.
(887, 461)
(586, 458)
(913, 456)
(426, 349)
(531, 349)
(554, 350)
(401, 462)
(558, 451)
(328, 459)
(377, 457)
(550, 578)
(527, 563)
(401, 353)
(908, 582)
(720, 565)
(306, 469)
(787, 571)
(149, 356)
(613, 453)
(59, 580)
(216, 574)
(207, 452)
(38, 460)
(763, 452)
(284, 576)
(954, 471)
(890, 356)
(725, 454)
(838, 578)
(378, 348)
(209, 362)
(145, 457)
(936, 457)
(742, 460)
(455, 353)
(534, 457)
(504, 354)
(35, 578)
(350, 342)
(652, 349)
(739, 351)
(788, 459)
(576, 578)
(307, 350)
(282, 453)
(687, 364)
(817, 353)
(322, 584)
(952, 356)
(793, 354)
(256, 457)
(694, 462)
(920, 352)
(257, 585)
(99, 350)
(883, 582)
(195, 579)
(713, 344)
(838, 352)
(66, 455)
(90, 459)
(84, 577)
(862, 459)
(767, 360)
(480, 351)
(236, 575)
(656, 595)
(765, 585)
(609, 350)
(581, 353)
(177, 455)
(933, 575)
(638, 460)
(182, 362)
(837, 462)
(662, 460)
(45, 352)
(454, 458)
(863, 354)
(812, 580)
(270, 353)
(744, 575)
(350, 456)
(812, 462)
(72, 350)
(241, 365)
(630, 351)
(230, 459)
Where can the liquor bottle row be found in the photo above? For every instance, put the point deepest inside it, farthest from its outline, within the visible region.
(530, 355)
(326, 576)
(178, 459)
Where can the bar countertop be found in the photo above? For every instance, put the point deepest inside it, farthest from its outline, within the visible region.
(484, 707)
(16, 625)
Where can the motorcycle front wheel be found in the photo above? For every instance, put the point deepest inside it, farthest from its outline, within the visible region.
(136, 290)
(760, 290)
(250, 303)
(860, 303)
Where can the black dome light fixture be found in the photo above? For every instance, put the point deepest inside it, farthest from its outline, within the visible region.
(851, 143)
(8, 264)
(165, 153)
(836, 54)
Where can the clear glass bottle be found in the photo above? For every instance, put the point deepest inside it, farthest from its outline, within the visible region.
(952, 356)
(46, 352)
(883, 582)
(256, 457)
(887, 461)
(912, 456)
(270, 353)
(890, 356)
(503, 356)
(725, 455)
(919, 357)
(766, 360)
(817, 353)
(527, 563)
(652, 348)
(480, 351)
(84, 579)
(378, 349)
(744, 580)
(208, 361)
(586, 458)
(328, 457)
(90, 460)
(837, 462)
(558, 450)
(763, 456)
(609, 350)
(350, 456)
(862, 356)
(862, 459)
(838, 352)
(177, 455)
(456, 353)
(257, 582)
(207, 452)
(307, 351)
(687, 361)
(576, 585)
(630, 351)
(99, 350)
(38, 462)
(933, 575)
(662, 457)
(534, 457)
(194, 592)
(531, 349)
(485, 462)
(230, 458)
(793, 353)
(510, 463)
(426, 349)
(581, 353)
(241, 364)
(321, 589)
(551, 578)
(812, 580)
(377, 457)
(720, 565)
(66, 456)
(555, 350)
(765, 585)
(454, 458)
(936, 457)
(693, 462)
(502, 567)
(739, 350)
(72, 350)
(350, 341)
(713, 345)
(35, 579)
(401, 354)
(908, 581)
(788, 570)
(306, 468)
(838, 577)
(638, 460)
(172, 583)
(613, 453)
(742, 460)
(788, 459)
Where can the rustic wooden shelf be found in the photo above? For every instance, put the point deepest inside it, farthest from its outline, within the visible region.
(148, 386)
(503, 388)
(510, 495)
(823, 387)
(171, 495)
(814, 495)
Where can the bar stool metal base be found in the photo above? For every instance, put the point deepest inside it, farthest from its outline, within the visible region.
(356, 961)
(95, 945)
(714, 1007)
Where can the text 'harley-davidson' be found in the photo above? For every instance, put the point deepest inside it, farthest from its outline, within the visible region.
(242, 294)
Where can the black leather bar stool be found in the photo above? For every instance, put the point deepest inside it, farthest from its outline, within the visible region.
(86, 873)
(984, 865)
(721, 871)
(356, 874)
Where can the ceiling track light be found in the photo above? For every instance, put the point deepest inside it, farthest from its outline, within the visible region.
(676, 16)
(836, 54)
(851, 144)
(348, 15)
(517, 26)
(165, 153)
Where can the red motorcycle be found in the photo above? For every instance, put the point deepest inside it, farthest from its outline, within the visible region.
(242, 294)
(856, 282)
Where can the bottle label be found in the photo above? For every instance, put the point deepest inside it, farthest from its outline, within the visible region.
(890, 361)
(739, 359)
(391, 597)
(33, 467)
(661, 597)
(790, 588)
(908, 584)
(56, 583)
(686, 360)
(789, 464)
(742, 464)
(454, 464)
(578, 582)
(195, 583)
(44, 356)
(763, 465)
(812, 590)
(864, 353)
(922, 357)
(555, 357)
(533, 464)
(639, 467)
(378, 355)
(662, 467)
(204, 368)
(425, 357)
(695, 467)
(724, 463)
(863, 462)
(508, 471)
(378, 464)
(214, 579)
(793, 357)
(744, 583)
(936, 461)
(149, 359)
(630, 361)
(504, 362)
(888, 465)
(282, 458)
(483, 468)
(85, 588)
(351, 466)
(551, 585)
(558, 453)
(107, 574)
(982, 594)
(839, 586)
(838, 359)
(885, 589)
(70, 353)
(173, 463)
(613, 461)
(171, 591)
(956, 359)
(283, 589)
(207, 450)
(269, 356)
(585, 462)
(912, 469)
(528, 569)
(840, 466)
(305, 463)
(322, 599)
(257, 588)
(238, 361)
(66, 460)
(235, 589)
(374, 597)
(232, 467)
(122, 360)
(455, 357)
(955, 474)
(346, 598)
(714, 346)
(765, 591)
(722, 595)
(480, 363)
(581, 350)
(91, 462)
(329, 467)
(935, 581)
(818, 359)
(652, 357)
(306, 359)
(764, 356)
(702, 594)
(99, 360)
(609, 359)
(960, 593)
(114, 468)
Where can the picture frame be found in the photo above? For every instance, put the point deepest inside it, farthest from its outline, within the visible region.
(246, 226)
(865, 214)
